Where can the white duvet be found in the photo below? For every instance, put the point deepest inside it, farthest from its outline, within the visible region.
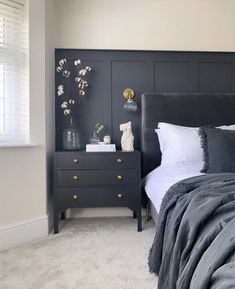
(163, 177)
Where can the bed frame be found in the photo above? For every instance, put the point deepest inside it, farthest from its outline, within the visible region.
(188, 109)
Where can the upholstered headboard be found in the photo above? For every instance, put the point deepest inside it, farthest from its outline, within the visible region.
(188, 109)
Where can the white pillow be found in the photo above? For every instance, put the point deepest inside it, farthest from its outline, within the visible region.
(181, 144)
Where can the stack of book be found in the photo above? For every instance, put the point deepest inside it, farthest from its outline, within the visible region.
(100, 148)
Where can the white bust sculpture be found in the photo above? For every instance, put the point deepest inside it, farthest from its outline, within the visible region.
(127, 140)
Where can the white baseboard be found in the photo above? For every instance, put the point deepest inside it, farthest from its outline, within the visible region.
(19, 233)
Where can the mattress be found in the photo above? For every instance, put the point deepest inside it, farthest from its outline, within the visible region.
(162, 178)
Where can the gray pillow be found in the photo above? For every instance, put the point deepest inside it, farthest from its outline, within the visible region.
(219, 150)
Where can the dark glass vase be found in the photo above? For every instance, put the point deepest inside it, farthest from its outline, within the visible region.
(71, 137)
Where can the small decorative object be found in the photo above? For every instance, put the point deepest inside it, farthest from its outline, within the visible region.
(130, 105)
(127, 139)
(82, 83)
(71, 137)
(107, 139)
(97, 129)
(67, 106)
(60, 90)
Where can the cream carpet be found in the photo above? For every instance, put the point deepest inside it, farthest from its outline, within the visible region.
(101, 253)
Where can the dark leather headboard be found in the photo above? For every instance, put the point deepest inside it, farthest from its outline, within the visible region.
(188, 109)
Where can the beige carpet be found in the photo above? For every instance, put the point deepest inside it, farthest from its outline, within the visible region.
(101, 253)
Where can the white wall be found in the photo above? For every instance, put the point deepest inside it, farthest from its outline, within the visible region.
(22, 177)
(194, 25)
(23, 171)
(49, 94)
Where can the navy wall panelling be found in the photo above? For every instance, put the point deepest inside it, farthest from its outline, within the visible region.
(144, 71)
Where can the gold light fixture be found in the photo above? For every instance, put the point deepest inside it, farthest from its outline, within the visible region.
(130, 104)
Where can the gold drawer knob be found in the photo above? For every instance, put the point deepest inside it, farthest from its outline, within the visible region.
(75, 178)
(119, 161)
(120, 196)
(76, 161)
(119, 177)
(75, 197)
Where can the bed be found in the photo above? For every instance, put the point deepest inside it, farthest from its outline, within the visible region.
(194, 245)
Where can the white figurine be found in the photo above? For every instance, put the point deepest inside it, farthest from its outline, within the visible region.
(107, 139)
(127, 140)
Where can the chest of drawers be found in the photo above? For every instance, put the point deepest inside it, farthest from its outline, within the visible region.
(97, 179)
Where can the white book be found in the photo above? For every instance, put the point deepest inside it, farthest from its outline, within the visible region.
(100, 148)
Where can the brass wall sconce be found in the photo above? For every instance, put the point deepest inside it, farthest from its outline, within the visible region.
(130, 105)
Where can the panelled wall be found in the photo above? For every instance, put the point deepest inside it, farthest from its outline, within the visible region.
(144, 71)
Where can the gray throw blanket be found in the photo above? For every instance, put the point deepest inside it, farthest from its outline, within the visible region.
(195, 242)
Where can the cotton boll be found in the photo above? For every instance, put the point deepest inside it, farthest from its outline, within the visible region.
(59, 68)
(64, 104)
(71, 101)
(82, 92)
(82, 72)
(60, 92)
(80, 85)
(67, 111)
(62, 62)
(78, 79)
(77, 62)
(66, 73)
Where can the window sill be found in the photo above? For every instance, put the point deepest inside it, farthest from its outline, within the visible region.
(17, 145)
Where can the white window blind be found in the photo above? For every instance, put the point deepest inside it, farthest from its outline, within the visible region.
(14, 100)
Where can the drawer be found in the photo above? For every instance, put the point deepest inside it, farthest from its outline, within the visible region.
(101, 197)
(96, 177)
(93, 160)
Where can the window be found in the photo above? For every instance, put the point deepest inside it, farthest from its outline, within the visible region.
(14, 100)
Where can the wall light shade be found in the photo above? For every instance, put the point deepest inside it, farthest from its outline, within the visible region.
(130, 105)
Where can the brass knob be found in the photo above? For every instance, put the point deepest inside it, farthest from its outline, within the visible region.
(75, 197)
(75, 178)
(119, 161)
(119, 177)
(120, 196)
(76, 161)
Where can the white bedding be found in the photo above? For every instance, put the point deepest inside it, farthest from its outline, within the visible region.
(162, 178)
